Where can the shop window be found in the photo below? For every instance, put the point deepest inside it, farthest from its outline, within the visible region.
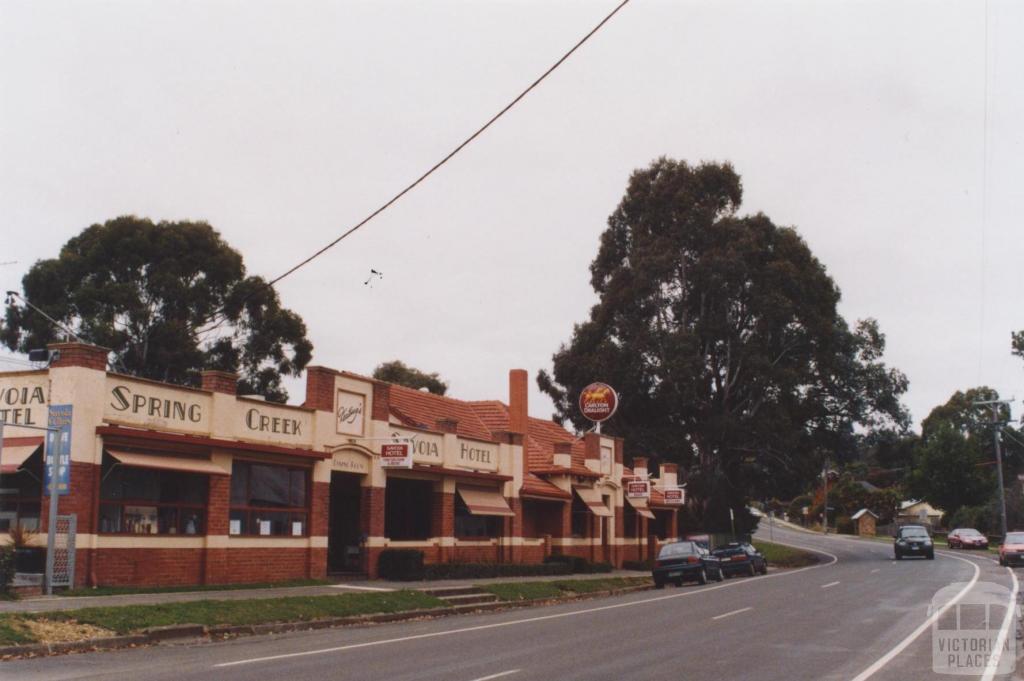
(149, 501)
(408, 508)
(21, 495)
(580, 518)
(268, 500)
(630, 521)
(469, 526)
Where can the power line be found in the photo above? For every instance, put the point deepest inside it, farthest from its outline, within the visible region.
(435, 167)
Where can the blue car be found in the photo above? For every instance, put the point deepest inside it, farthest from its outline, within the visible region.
(685, 561)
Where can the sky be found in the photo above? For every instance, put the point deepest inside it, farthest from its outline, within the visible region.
(887, 133)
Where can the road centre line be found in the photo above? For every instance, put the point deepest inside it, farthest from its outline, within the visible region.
(539, 618)
(902, 645)
(830, 584)
(875, 570)
(1004, 631)
(731, 613)
(510, 672)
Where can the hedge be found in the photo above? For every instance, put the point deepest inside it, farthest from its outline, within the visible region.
(637, 565)
(401, 565)
(6, 568)
(580, 565)
(483, 570)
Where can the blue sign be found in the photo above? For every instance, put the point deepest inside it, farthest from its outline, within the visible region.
(58, 449)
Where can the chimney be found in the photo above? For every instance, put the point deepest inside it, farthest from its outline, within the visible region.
(563, 454)
(669, 475)
(220, 381)
(78, 355)
(518, 406)
(640, 465)
(319, 388)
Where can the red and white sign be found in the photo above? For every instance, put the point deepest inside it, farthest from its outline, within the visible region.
(397, 455)
(674, 495)
(638, 489)
(598, 401)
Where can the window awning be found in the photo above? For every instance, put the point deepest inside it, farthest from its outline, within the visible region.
(13, 456)
(484, 500)
(641, 507)
(592, 498)
(168, 463)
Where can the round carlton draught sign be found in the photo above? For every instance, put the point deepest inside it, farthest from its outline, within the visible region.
(598, 402)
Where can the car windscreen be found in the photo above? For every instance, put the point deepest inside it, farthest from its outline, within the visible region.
(969, 533)
(1015, 538)
(728, 551)
(681, 549)
(914, 534)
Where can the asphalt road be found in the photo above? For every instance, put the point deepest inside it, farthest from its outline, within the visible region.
(854, 616)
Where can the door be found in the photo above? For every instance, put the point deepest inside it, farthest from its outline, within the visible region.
(344, 529)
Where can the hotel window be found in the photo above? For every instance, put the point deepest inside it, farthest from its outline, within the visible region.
(580, 518)
(408, 508)
(21, 493)
(151, 501)
(268, 500)
(469, 526)
(630, 521)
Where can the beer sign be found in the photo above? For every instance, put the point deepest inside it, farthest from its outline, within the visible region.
(638, 489)
(598, 402)
(674, 495)
(396, 455)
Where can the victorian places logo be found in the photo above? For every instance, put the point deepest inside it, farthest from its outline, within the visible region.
(975, 634)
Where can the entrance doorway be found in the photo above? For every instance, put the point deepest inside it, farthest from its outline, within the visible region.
(344, 529)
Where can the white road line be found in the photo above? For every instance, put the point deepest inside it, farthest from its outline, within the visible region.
(539, 618)
(874, 571)
(830, 584)
(499, 675)
(358, 588)
(731, 613)
(902, 645)
(1011, 611)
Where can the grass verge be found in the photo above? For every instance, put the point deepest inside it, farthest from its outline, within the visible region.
(123, 590)
(125, 619)
(786, 556)
(527, 591)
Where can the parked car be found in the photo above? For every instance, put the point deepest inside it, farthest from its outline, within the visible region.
(741, 558)
(1011, 552)
(966, 538)
(685, 561)
(913, 540)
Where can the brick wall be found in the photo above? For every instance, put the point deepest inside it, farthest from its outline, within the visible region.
(381, 402)
(269, 564)
(79, 355)
(148, 567)
(320, 388)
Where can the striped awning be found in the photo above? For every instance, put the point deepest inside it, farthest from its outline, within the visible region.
(592, 498)
(14, 456)
(640, 505)
(484, 500)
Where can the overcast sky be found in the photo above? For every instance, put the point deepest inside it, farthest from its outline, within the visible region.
(862, 124)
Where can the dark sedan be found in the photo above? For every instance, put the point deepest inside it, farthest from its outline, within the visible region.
(913, 540)
(685, 561)
(741, 558)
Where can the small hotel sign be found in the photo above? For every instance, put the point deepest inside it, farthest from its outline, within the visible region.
(638, 489)
(396, 455)
(674, 495)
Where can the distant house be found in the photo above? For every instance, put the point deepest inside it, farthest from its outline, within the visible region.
(915, 512)
(868, 487)
(864, 522)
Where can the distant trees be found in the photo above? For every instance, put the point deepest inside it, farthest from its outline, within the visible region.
(169, 299)
(398, 372)
(721, 334)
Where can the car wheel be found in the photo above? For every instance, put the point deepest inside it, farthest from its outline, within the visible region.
(764, 568)
(750, 570)
(659, 584)
(702, 576)
(1002, 563)
(721, 576)
(931, 556)
(899, 556)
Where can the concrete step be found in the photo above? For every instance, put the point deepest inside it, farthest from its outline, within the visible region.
(469, 599)
(445, 591)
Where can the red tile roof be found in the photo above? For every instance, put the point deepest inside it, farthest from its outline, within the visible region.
(534, 486)
(542, 436)
(419, 409)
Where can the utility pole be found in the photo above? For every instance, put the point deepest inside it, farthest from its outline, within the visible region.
(996, 433)
(824, 510)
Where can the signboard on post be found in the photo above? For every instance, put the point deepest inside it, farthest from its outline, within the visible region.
(396, 455)
(57, 467)
(674, 495)
(598, 401)
(638, 489)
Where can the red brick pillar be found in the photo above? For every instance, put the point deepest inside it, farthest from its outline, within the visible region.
(371, 517)
(442, 520)
(620, 531)
(215, 563)
(220, 381)
(673, 525)
(319, 510)
(565, 525)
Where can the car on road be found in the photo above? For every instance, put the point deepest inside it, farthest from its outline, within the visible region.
(685, 561)
(1011, 551)
(913, 540)
(741, 558)
(966, 538)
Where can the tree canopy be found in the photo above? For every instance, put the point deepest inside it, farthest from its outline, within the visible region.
(169, 299)
(721, 334)
(398, 372)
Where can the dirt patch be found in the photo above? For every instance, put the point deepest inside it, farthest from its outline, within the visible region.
(46, 631)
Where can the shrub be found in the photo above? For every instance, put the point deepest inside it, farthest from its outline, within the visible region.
(6, 568)
(580, 565)
(401, 565)
(485, 570)
(844, 524)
